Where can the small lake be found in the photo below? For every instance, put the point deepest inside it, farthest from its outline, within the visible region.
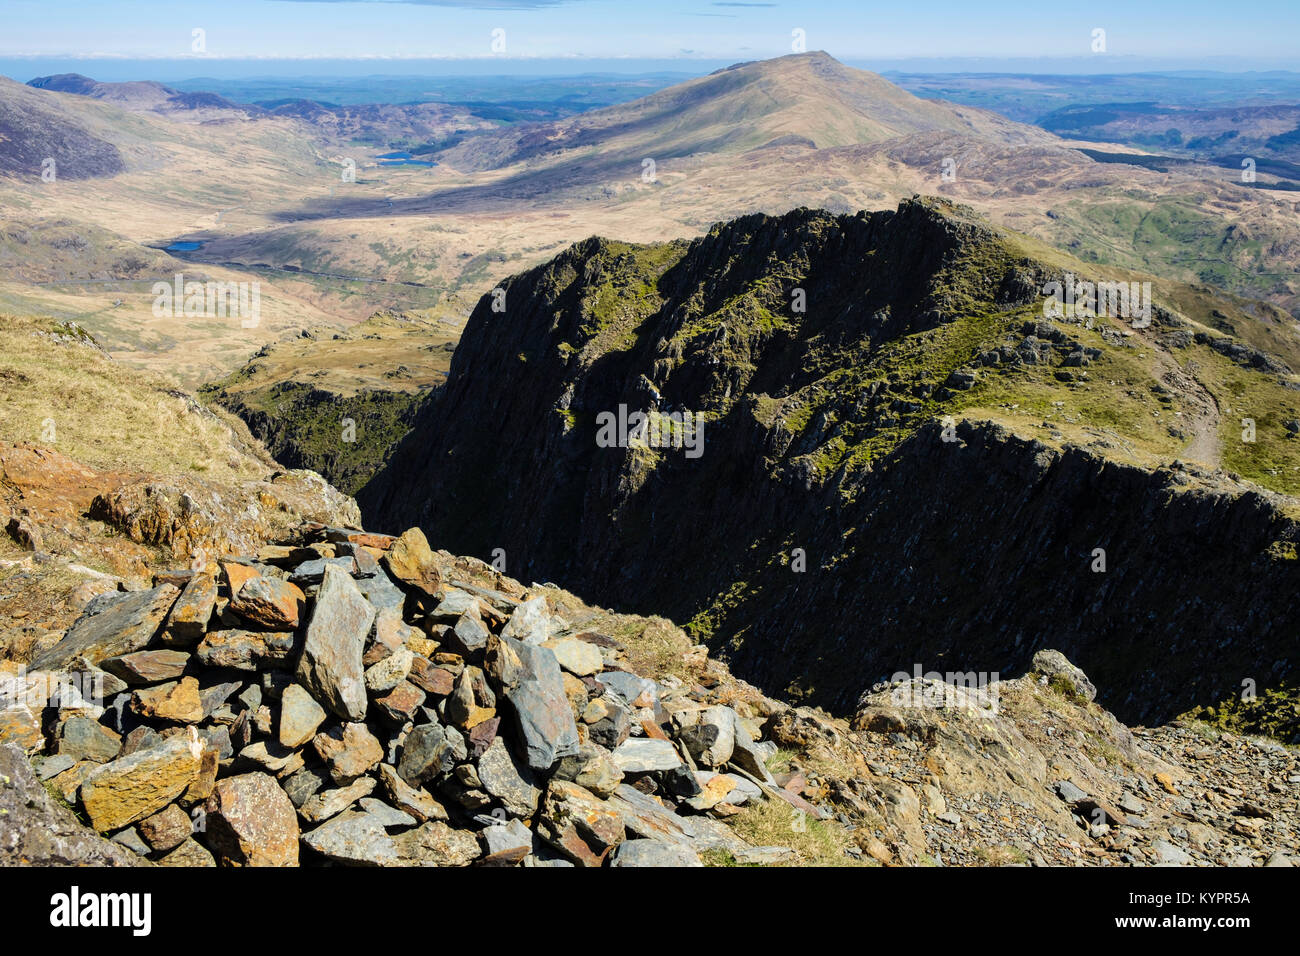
(183, 247)
(403, 159)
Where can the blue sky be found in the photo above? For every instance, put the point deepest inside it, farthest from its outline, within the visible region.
(1261, 32)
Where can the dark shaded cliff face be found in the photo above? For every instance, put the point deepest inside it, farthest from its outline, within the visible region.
(823, 431)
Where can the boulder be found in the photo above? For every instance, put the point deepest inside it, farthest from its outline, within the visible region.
(300, 716)
(578, 824)
(437, 844)
(176, 701)
(250, 822)
(147, 667)
(429, 751)
(331, 667)
(709, 735)
(507, 780)
(353, 838)
(328, 803)
(84, 739)
(1054, 666)
(531, 622)
(645, 754)
(167, 829)
(268, 602)
(541, 710)
(112, 624)
(348, 751)
(577, 657)
(189, 617)
(241, 650)
(419, 803)
(411, 561)
(654, 853)
(131, 788)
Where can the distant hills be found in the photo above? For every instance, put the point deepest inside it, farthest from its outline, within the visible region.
(35, 129)
(146, 95)
(803, 99)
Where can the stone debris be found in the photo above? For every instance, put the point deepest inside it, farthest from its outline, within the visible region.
(350, 703)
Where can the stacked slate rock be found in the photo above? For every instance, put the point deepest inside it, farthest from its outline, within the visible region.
(345, 699)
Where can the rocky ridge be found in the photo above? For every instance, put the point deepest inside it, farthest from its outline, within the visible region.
(904, 459)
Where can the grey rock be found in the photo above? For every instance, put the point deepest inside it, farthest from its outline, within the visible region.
(390, 817)
(614, 728)
(506, 780)
(312, 572)
(303, 784)
(746, 755)
(39, 832)
(628, 687)
(329, 803)
(763, 855)
(430, 750)
(502, 837)
(541, 709)
(711, 737)
(354, 838)
(1169, 855)
(1054, 664)
(745, 791)
(131, 839)
(530, 623)
(593, 767)
(469, 637)
(218, 738)
(654, 853)
(380, 590)
(49, 767)
(331, 667)
(300, 716)
(251, 697)
(112, 624)
(84, 739)
(1068, 792)
(646, 754)
(454, 603)
(147, 667)
(214, 695)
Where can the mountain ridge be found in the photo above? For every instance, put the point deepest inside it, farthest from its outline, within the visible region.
(916, 317)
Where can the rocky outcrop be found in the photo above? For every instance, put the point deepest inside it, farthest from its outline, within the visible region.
(190, 516)
(834, 528)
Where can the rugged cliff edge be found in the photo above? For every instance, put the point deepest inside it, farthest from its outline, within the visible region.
(905, 461)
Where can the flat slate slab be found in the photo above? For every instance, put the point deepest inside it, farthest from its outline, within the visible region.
(112, 625)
